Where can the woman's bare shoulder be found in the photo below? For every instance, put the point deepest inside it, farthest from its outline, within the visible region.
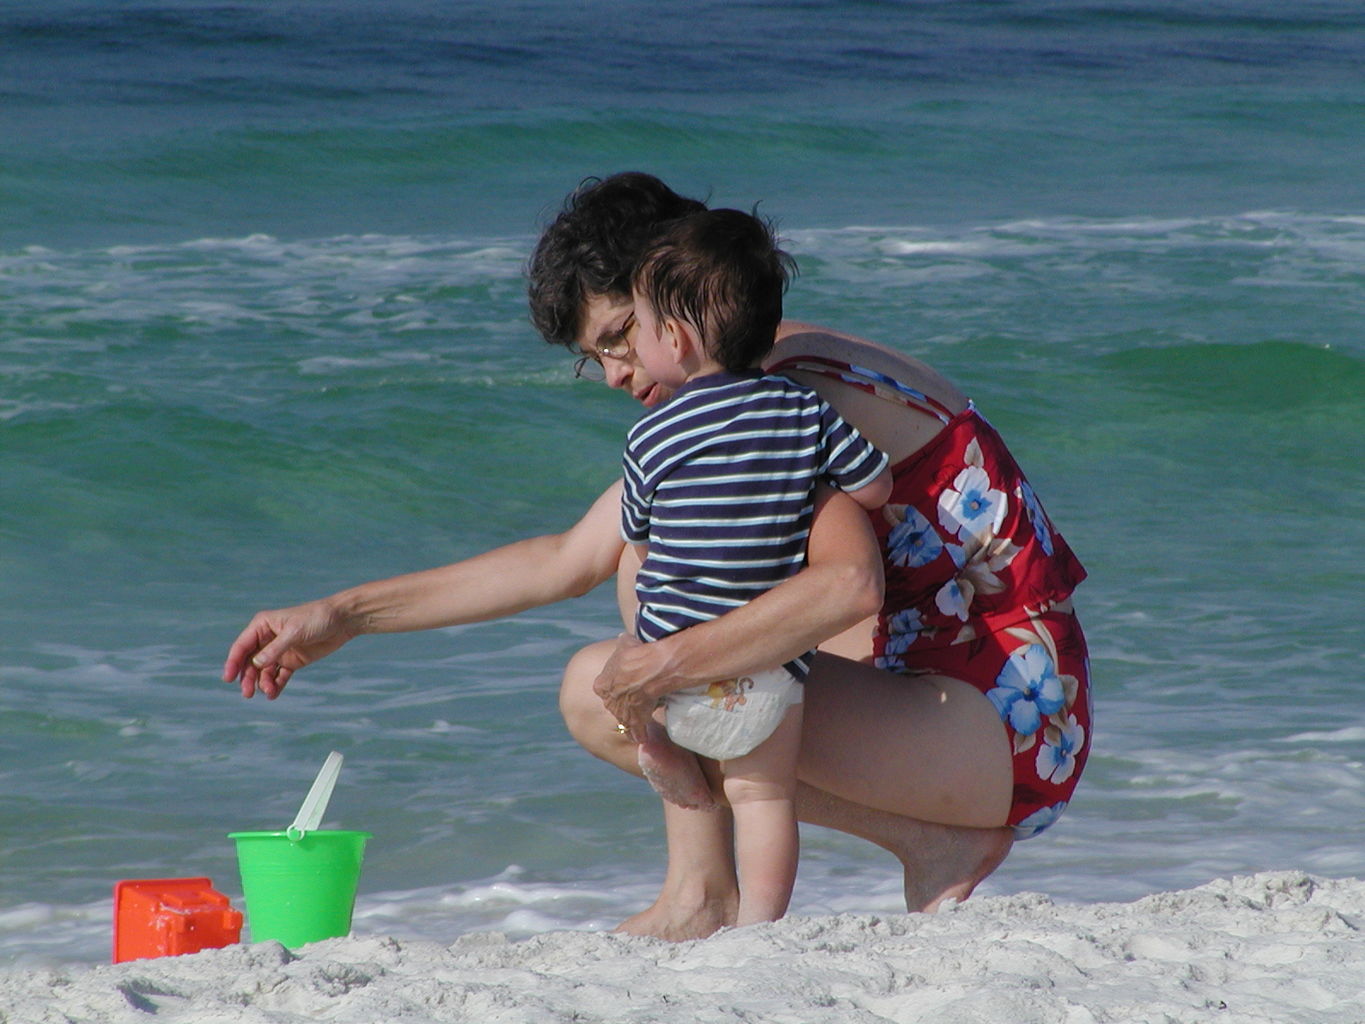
(800, 339)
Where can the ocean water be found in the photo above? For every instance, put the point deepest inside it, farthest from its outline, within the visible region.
(262, 335)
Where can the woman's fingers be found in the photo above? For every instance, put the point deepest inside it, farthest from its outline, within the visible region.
(622, 695)
(609, 684)
(255, 659)
(244, 650)
(636, 724)
(272, 680)
(270, 656)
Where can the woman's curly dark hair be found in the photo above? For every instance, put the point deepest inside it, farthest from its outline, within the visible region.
(592, 247)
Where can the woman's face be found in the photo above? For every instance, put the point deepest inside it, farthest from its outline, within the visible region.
(604, 318)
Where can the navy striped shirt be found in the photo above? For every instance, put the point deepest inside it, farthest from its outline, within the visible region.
(720, 483)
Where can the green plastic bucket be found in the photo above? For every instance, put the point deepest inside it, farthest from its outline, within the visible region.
(299, 888)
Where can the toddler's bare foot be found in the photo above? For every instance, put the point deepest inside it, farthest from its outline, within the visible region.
(674, 772)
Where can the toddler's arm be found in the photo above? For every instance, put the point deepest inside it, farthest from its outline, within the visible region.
(876, 494)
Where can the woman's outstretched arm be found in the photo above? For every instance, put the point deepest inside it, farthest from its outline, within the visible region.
(504, 581)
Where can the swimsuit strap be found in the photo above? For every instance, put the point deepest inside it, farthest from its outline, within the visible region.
(870, 381)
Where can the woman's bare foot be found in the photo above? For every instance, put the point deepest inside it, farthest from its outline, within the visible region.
(966, 857)
(940, 862)
(674, 773)
(700, 891)
(671, 922)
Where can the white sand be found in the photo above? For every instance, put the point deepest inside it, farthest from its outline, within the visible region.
(1279, 947)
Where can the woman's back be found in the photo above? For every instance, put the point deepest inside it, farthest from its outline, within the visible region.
(897, 428)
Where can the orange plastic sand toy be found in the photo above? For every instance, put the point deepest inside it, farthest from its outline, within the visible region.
(171, 916)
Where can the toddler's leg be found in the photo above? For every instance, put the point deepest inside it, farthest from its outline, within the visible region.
(761, 789)
(674, 772)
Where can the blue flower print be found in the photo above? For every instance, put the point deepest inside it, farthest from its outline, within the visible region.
(1043, 818)
(1028, 689)
(972, 508)
(903, 629)
(1057, 756)
(914, 541)
(1042, 529)
(953, 598)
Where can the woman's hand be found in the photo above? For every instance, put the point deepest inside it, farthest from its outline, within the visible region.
(624, 685)
(841, 586)
(277, 644)
(528, 574)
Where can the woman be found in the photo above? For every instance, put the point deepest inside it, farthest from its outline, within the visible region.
(941, 725)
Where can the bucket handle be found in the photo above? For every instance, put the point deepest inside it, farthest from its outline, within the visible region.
(315, 803)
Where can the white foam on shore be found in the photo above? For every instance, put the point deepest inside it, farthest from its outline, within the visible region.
(1282, 947)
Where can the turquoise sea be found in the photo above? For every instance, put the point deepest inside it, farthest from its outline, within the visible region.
(263, 335)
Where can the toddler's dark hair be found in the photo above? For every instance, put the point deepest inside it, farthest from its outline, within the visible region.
(722, 272)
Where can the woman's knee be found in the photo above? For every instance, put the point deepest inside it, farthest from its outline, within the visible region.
(580, 707)
(585, 716)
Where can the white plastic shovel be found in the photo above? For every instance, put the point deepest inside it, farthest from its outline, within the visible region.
(315, 803)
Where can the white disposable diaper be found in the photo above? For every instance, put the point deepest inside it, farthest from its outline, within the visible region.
(728, 719)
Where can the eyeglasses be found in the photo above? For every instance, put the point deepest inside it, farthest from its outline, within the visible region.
(615, 345)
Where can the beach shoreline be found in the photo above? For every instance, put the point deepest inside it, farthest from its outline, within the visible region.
(1279, 946)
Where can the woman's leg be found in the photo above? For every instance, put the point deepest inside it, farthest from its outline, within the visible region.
(938, 862)
(926, 747)
(881, 755)
(700, 892)
(918, 765)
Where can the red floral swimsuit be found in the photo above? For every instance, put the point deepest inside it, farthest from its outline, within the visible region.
(978, 586)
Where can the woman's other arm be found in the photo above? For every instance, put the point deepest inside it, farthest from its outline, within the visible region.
(841, 586)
